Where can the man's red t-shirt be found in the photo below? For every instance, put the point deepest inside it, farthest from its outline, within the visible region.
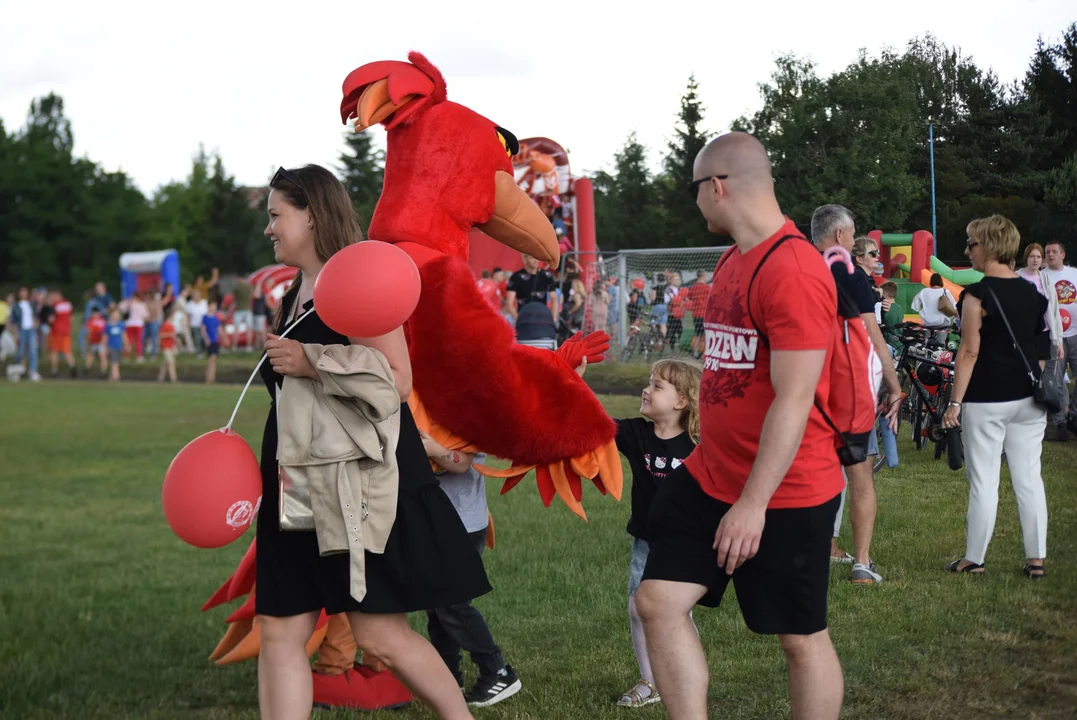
(61, 324)
(491, 292)
(795, 302)
(697, 298)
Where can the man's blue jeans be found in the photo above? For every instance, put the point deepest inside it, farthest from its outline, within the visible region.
(28, 349)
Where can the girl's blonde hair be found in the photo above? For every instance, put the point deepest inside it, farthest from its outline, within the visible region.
(685, 380)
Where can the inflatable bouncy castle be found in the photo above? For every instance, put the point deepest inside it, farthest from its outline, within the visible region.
(908, 261)
(142, 271)
(542, 171)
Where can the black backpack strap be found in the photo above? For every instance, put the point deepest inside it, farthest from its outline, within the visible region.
(775, 246)
(763, 336)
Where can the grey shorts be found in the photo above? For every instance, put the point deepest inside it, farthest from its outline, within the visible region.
(640, 550)
(114, 356)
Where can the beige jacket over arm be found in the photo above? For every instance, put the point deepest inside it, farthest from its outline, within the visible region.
(337, 440)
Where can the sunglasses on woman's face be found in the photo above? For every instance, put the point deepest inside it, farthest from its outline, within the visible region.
(873, 253)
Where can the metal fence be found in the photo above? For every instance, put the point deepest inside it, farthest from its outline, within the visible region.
(650, 301)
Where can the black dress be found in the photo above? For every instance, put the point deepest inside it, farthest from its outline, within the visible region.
(429, 560)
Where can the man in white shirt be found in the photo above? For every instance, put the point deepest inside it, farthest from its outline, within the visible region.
(1064, 280)
(197, 307)
(926, 303)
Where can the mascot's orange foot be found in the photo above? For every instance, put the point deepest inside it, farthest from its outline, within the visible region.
(360, 689)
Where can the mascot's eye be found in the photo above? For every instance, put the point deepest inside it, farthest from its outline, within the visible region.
(508, 141)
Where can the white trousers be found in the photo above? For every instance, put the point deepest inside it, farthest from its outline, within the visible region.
(1017, 427)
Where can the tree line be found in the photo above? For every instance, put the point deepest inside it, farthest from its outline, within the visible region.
(858, 137)
(65, 220)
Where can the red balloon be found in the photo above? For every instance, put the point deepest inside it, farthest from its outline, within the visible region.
(212, 489)
(367, 289)
(1067, 319)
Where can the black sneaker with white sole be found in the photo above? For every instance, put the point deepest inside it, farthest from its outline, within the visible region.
(492, 689)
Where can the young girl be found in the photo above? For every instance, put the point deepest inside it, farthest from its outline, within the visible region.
(655, 445)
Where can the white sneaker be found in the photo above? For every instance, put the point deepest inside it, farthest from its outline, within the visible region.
(866, 574)
(34, 377)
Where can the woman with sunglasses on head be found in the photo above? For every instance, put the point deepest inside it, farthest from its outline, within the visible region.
(865, 255)
(1003, 328)
(428, 561)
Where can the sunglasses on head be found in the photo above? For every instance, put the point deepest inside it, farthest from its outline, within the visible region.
(288, 175)
(694, 185)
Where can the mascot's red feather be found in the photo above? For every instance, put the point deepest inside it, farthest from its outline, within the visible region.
(447, 170)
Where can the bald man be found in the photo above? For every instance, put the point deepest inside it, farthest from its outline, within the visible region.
(755, 501)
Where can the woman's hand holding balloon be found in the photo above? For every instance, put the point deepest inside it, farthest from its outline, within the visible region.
(287, 358)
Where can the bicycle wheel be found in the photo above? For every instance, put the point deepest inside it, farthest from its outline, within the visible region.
(917, 420)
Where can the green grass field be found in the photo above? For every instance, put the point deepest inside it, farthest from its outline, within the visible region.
(99, 601)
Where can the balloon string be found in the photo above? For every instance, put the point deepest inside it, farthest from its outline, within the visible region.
(259, 367)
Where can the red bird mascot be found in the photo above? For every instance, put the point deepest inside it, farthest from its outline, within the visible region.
(447, 170)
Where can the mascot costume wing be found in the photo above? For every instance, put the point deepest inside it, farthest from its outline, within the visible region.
(447, 170)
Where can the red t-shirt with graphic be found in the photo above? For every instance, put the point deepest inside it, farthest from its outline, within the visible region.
(61, 323)
(795, 302)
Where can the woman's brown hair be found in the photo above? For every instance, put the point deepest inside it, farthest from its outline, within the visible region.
(336, 224)
(1029, 249)
(685, 380)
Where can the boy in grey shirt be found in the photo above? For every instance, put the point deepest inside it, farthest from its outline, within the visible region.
(461, 626)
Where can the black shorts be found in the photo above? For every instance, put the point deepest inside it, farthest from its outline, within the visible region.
(213, 348)
(781, 591)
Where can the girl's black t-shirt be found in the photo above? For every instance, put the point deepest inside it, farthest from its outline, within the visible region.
(652, 459)
(999, 374)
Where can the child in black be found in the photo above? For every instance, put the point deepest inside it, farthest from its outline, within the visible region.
(655, 445)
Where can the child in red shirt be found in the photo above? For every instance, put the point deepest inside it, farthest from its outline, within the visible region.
(95, 327)
(168, 351)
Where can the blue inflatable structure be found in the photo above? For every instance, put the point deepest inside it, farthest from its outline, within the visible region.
(141, 271)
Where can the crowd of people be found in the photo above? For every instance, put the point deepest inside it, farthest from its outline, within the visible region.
(570, 307)
(148, 325)
(735, 478)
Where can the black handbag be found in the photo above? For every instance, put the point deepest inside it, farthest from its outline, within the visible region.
(1047, 389)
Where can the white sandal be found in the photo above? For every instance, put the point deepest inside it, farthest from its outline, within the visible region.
(634, 698)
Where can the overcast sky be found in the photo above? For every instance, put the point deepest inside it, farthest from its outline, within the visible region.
(144, 83)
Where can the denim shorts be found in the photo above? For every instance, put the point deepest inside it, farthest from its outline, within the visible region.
(640, 550)
(660, 314)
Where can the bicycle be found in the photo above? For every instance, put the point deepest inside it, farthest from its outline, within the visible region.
(927, 369)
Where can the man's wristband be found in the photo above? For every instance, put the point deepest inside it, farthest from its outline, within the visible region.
(955, 404)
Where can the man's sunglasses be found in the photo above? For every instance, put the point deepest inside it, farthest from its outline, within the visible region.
(694, 185)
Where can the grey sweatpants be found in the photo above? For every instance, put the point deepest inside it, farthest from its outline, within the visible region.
(1069, 345)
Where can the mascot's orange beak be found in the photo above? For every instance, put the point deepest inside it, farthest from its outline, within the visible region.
(518, 223)
(375, 106)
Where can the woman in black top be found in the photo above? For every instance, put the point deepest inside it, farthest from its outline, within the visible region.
(429, 560)
(992, 395)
